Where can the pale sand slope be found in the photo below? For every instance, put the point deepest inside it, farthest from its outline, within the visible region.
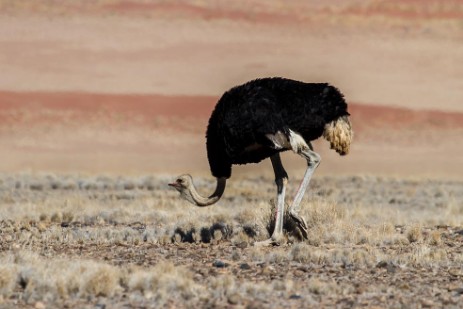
(395, 57)
(85, 133)
(190, 56)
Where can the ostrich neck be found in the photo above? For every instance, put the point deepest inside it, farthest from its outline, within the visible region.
(206, 201)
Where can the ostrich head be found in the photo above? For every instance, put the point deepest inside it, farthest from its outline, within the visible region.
(184, 185)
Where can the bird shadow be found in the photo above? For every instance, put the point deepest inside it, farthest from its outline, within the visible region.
(205, 234)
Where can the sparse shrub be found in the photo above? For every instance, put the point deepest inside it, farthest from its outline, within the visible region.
(55, 185)
(423, 255)
(8, 278)
(25, 225)
(319, 287)
(241, 239)
(37, 287)
(246, 216)
(57, 217)
(235, 255)
(37, 186)
(387, 229)
(316, 286)
(69, 185)
(67, 217)
(361, 257)
(222, 286)
(315, 236)
(277, 256)
(304, 253)
(362, 239)
(100, 280)
(435, 238)
(43, 217)
(129, 185)
(414, 233)
(162, 282)
(256, 290)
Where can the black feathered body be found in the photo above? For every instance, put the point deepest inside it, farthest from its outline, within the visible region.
(246, 114)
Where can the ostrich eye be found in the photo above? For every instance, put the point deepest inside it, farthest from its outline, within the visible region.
(180, 180)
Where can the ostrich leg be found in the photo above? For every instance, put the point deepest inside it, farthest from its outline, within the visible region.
(281, 179)
(313, 160)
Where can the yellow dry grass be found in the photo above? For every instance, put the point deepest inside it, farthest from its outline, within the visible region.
(67, 239)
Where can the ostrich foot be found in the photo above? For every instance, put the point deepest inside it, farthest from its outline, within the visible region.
(271, 242)
(300, 222)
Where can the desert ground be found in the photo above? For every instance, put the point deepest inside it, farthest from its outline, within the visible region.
(103, 103)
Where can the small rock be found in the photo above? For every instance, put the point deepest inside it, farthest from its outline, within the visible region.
(391, 268)
(253, 305)
(458, 291)
(219, 264)
(382, 264)
(360, 288)
(267, 270)
(455, 272)
(39, 305)
(404, 286)
(41, 226)
(234, 299)
(242, 245)
(295, 296)
(427, 303)
(245, 266)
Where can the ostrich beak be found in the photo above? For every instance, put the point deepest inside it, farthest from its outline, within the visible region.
(173, 184)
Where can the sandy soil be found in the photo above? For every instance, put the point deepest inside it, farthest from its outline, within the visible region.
(127, 86)
(374, 54)
(128, 242)
(76, 132)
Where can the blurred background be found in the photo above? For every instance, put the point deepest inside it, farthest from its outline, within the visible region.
(115, 86)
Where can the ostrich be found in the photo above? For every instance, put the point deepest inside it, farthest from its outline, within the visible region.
(260, 119)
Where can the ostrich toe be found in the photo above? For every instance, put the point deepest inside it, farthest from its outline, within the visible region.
(301, 223)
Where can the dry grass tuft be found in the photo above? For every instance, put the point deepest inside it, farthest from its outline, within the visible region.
(319, 287)
(99, 280)
(423, 255)
(323, 212)
(51, 280)
(435, 238)
(359, 257)
(414, 233)
(303, 253)
(8, 277)
(162, 281)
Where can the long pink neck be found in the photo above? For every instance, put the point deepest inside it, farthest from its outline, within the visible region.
(202, 201)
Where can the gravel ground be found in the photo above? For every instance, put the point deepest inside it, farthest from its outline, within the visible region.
(99, 242)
